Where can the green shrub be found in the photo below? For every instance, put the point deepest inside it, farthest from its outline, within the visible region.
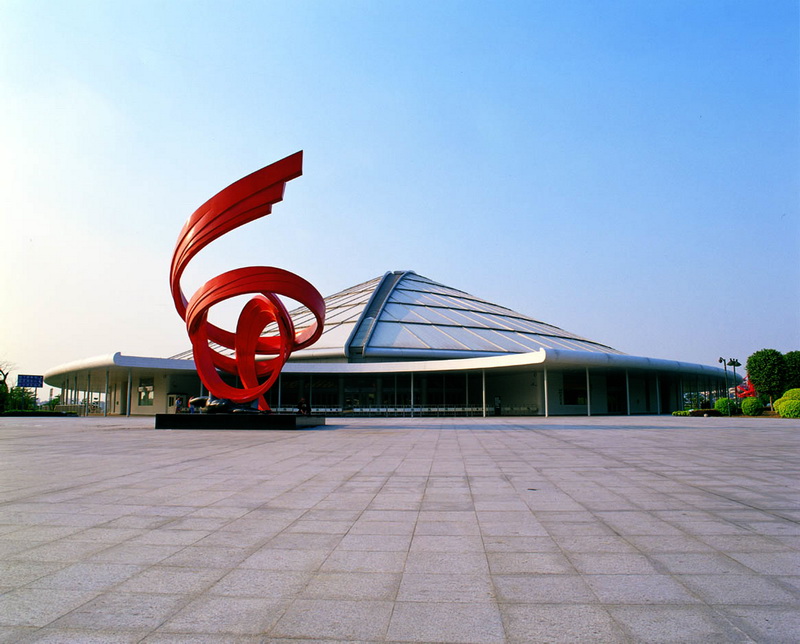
(776, 406)
(791, 394)
(681, 413)
(790, 409)
(752, 407)
(725, 406)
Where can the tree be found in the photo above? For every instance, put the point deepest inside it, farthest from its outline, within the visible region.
(791, 362)
(766, 370)
(5, 369)
(54, 402)
(21, 399)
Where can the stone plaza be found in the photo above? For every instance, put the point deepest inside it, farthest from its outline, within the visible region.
(463, 530)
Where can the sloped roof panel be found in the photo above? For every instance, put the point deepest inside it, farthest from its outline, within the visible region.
(398, 336)
(405, 311)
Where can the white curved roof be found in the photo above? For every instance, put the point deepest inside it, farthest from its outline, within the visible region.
(405, 316)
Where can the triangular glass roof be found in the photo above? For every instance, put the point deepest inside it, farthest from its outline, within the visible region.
(403, 315)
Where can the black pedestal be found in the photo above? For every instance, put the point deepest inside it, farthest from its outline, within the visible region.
(237, 421)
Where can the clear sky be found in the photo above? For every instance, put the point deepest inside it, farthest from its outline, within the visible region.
(626, 170)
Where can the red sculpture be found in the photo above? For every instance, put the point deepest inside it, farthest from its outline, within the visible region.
(242, 202)
(746, 389)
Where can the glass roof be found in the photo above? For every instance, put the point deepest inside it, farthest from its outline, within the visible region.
(440, 318)
(405, 311)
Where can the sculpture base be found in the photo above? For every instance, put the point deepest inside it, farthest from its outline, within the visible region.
(237, 421)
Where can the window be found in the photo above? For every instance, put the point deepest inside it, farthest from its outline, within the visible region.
(574, 392)
(146, 392)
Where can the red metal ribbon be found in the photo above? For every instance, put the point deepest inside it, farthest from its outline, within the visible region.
(242, 202)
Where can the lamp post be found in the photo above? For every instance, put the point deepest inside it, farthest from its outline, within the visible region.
(733, 362)
(727, 389)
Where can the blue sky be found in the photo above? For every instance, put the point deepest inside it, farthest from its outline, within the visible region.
(629, 171)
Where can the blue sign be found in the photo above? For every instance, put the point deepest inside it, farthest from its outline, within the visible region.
(30, 381)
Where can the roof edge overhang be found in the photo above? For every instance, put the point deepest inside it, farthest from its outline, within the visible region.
(566, 358)
(305, 355)
(114, 362)
(515, 362)
(533, 360)
(431, 354)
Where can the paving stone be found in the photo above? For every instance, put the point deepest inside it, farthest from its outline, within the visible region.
(63, 550)
(401, 528)
(371, 542)
(170, 579)
(447, 528)
(39, 606)
(165, 537)
(364, 561)
(446, 622)
(19, 573)
(544, 589)
(50, 635)
(445, 588)
(304, 541)
(577, 623)
(534, 563)
(353, 586)
(520, 544)
(602, 544)
(698, 564)
(668, 544)
(208, 557)
(766, 623)
(335, 619)
(446, 543)
(88, 576)
(122, 611)
(739, 589)
(283, 559)
(773, 563)
(469, 563)
(639, 589)
(669, 624)
(603, 563)
(135, 553)
(261, 583)
(226, 615)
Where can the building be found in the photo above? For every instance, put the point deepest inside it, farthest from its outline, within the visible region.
(402, 344)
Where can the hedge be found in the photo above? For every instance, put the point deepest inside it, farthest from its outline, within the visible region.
(726, 406)
(790, 409)
(752, 407)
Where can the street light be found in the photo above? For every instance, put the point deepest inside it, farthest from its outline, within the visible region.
(733, 362)
(727, 389)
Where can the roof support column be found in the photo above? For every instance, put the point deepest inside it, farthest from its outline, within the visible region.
(658, 394)
(87, 399)
(483, 391)
(279, 389)
(628, 391)
(588, 394)
(105, 401)
(130, 384)
(546, 396)
(412, 394)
